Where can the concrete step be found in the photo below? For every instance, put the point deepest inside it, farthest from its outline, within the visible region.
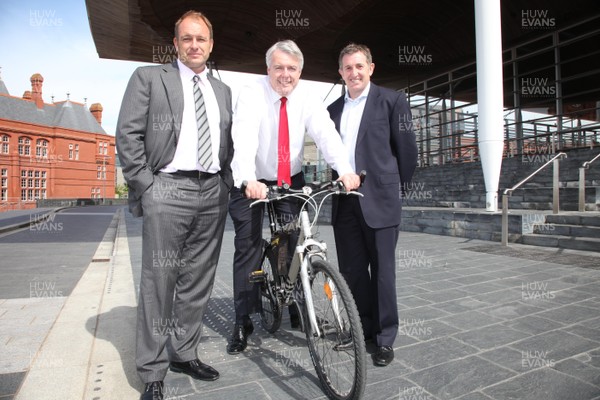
(563, 242)
(567, 230)
(584, 220)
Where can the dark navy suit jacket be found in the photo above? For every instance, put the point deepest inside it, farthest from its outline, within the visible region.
(386, 149)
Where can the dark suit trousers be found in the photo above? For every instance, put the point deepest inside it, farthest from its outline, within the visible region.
(248, 224)
(367, 260)
(184, 219)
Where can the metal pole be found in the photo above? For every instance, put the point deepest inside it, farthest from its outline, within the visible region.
(504, 220)
(555, 197)
(581, 189)
(490, 95)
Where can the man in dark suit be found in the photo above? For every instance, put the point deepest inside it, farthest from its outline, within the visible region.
(374, 125)
(174, 142)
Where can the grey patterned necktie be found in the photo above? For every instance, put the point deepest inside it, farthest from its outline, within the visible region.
(204, 142)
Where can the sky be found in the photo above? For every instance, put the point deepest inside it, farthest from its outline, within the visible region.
(53, 38)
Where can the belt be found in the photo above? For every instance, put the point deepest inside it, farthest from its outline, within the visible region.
(193, 174)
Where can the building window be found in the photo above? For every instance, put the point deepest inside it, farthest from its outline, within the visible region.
(24, 146)
(103, 148)
(4, 196)
(30, 194)
(23, 194)
(23, 173)
(4, 172)
(99, 172)
(23, 182)
(41, 148)
(43, 193)
(70, 151)
(43, 174)
(77, 152)
(5, 142)
(30, 183)
(30, 173)
(43, 183)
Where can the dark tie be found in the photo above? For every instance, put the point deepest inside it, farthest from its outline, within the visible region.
(283, 156)
(204, 142)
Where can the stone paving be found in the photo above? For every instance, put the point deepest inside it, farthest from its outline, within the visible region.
(477, 321)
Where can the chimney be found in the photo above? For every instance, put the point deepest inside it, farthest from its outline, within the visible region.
(96, 110)
(36, 90)
(27, 95)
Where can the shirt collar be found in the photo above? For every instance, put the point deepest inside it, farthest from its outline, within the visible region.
(362, 96)
(188, 75)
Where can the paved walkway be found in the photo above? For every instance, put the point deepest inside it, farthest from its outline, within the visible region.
(478, 321)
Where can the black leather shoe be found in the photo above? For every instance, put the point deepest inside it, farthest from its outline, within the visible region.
(239, 337)
(153, 391)
(383, 356)
(196, 369)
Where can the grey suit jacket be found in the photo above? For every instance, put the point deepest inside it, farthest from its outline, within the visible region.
(149, 124)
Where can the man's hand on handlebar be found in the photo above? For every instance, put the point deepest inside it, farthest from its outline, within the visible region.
(351, 181)
(256, 190)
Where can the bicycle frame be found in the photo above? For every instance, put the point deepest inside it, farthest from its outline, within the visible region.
(306, 248)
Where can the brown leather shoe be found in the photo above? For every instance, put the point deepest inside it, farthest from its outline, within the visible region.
(196, 369)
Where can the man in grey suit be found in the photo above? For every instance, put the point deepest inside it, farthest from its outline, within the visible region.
(174, 142)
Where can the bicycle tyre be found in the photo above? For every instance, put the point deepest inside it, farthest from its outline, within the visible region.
(270, 310)
(338, 354)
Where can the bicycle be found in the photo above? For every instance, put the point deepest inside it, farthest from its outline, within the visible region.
(328, 314)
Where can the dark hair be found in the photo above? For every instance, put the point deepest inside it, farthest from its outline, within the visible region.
(355, 48)
(196, 15)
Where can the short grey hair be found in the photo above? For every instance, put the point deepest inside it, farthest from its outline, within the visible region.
(287, 46)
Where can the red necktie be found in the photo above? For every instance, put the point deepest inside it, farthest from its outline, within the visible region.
(283, 156)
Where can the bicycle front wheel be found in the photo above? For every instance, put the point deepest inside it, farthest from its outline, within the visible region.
(270, 310)
(338, 349)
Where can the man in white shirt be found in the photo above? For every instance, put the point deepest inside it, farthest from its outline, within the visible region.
(270, 120)
(372, 123)
(174, 142)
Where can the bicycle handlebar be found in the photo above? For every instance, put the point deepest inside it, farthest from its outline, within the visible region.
(313, 188)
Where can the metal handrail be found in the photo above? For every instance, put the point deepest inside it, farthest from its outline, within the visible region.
(508, 192)
(584, 166)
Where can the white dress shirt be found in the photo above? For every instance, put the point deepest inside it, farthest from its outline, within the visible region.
(256, 126)
(186, 153)
(350, 121)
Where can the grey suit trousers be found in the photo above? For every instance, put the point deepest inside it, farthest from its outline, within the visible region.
(184, 220)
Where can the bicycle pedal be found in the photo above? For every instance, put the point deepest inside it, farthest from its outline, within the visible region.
(257, 276)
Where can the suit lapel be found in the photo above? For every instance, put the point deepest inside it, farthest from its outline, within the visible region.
(336, 112)
(174, 94)
(368, 113)
(222, 102)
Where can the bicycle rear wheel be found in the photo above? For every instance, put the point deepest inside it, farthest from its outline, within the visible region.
(338, 351)
(270, 311)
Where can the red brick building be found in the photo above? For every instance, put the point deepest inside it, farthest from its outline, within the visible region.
(52, 151)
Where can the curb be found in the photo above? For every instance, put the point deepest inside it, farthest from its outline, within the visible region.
(19, 225)
(72, 344)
